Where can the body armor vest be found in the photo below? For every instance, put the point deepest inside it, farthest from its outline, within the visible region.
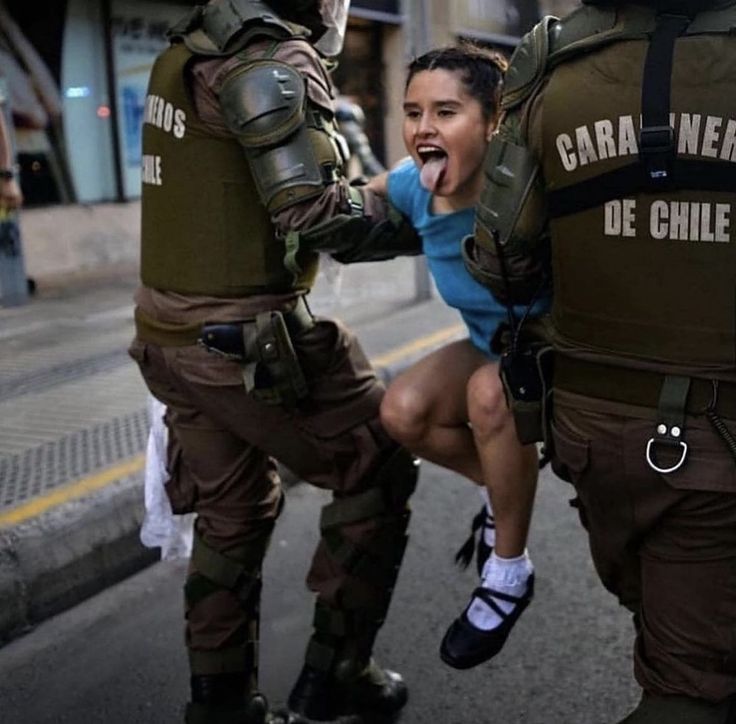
(647, 273)
(204, 230)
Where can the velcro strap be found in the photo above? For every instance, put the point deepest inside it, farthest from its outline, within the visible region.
(718, 176)
(292, 244)
(331, 620)
(220, 661)
(197, 588)
(227, 572)
(656, 138)
(299, 318)
(378, 567)
(320, 656)
(353, 508)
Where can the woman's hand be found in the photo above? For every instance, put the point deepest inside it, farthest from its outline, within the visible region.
(11, 197)
(379, 184)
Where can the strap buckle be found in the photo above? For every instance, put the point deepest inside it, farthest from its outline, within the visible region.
(671, 426)
(653, 465)
(656, 149)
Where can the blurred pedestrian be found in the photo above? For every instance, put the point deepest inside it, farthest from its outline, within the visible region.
(351, 123)
(11, 197)
(611, 178)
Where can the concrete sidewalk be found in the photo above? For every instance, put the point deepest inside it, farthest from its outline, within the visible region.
(73, 425)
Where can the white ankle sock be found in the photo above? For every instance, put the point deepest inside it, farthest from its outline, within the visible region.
(507, 575)
(489, 534)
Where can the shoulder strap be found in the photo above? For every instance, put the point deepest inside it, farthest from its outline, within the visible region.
(554, 41)
(657, 167)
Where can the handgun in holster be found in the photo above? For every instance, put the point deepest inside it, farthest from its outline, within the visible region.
(278, 377)
(271, 369)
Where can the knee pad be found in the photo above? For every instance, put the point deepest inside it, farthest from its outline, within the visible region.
(238, 572)
(376, 558)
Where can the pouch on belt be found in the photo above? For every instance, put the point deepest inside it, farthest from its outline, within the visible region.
(271, 369)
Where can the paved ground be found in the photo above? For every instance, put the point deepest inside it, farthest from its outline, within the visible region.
(118, 658)
(73, 425)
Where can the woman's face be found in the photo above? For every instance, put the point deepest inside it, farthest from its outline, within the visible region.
(446, 134)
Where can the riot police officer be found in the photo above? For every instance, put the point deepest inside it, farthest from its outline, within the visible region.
(612, 179)
(242, 188)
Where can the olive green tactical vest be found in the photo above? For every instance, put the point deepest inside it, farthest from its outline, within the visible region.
(653, 274)
(204, 230)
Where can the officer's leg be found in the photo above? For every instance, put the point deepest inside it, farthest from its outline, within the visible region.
(235, 490)
(666, 545)
(237, 501)
(333, 440)
(685, 656)
(354, 573)
(681, 710)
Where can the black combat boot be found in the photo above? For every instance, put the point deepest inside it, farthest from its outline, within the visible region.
(681, 710)
(370, 694)
(222, 699)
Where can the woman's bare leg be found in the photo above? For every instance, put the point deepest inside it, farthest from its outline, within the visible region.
(425, 409)
(510, 469)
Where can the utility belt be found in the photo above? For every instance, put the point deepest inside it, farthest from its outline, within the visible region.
(263, 346)
(637, 387)
(673, 397)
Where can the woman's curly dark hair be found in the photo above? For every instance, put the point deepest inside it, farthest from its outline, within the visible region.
(481, 70)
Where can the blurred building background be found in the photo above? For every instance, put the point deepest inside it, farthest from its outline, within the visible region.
(77, 72)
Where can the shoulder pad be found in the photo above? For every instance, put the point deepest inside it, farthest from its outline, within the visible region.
(263, 102)
(549, 41)
(225, 26)
(527, 64)
(584, 24)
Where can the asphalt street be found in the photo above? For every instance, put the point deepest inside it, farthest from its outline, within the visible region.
(118, 658)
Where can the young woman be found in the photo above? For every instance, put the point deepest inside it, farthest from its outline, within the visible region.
(449, 407)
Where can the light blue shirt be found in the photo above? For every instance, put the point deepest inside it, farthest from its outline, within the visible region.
(441, 236)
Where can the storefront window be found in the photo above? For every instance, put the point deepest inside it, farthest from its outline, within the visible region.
(362, 51)
(501, 23)
(138, 36)
(86, 103)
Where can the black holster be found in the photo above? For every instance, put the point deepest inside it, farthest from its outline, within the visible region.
(526, 374)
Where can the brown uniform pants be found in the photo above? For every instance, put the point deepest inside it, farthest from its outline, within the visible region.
(665, 544)
(223, 443)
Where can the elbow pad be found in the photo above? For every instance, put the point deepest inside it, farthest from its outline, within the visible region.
(293, 150)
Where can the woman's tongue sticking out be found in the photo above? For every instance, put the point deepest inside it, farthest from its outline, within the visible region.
(432, 172)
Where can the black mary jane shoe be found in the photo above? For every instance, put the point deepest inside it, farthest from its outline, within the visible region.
(465, 646)
(482, 521)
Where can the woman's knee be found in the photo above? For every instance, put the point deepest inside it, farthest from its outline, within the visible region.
(404, 413)
(487, 408)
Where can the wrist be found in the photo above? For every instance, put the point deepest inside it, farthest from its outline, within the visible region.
(8, 173)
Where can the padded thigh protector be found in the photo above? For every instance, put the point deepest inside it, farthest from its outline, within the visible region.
(264, 104)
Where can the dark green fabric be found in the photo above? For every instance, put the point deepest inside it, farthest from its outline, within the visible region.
(204, 230)
(671, 237)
